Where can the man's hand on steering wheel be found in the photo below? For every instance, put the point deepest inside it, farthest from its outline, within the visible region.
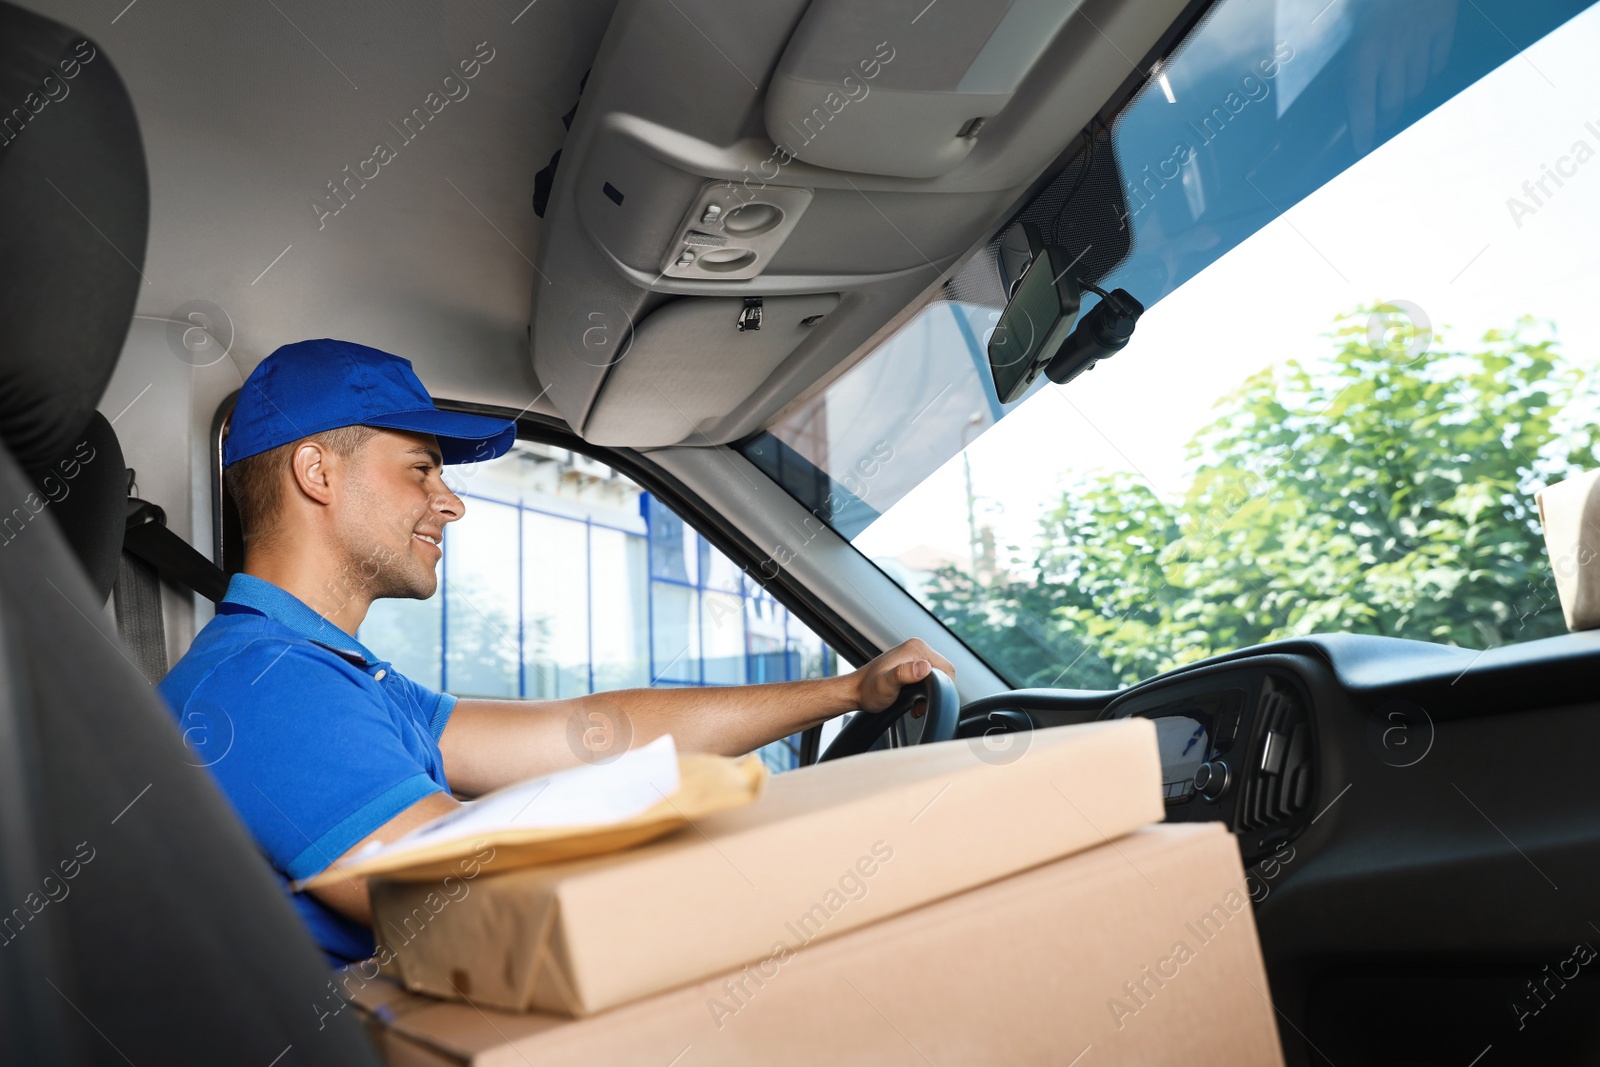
(878, 683)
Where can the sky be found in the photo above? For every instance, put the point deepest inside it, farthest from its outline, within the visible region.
(1423, 219)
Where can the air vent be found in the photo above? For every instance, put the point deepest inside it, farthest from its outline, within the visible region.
(1277, 778)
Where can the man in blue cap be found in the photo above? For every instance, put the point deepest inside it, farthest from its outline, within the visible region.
(335, 457)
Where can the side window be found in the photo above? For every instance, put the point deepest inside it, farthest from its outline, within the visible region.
(565, 577)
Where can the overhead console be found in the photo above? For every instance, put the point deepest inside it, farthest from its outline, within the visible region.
(753, 194)
(730, 234)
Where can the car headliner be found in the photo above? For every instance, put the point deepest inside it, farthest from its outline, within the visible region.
(248, 110)
(251, 112)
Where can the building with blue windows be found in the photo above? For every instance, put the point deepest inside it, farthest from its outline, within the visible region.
(566, 578)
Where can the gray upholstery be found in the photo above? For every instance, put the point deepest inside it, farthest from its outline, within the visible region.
(76, 205)
(84, 493)
(140, 923)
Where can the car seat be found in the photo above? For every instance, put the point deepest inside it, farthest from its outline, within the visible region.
(139, 922)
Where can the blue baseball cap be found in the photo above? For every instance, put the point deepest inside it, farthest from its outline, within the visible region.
(311, 386)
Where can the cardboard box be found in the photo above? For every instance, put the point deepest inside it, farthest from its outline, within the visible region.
(1140, 951)
(827, 849)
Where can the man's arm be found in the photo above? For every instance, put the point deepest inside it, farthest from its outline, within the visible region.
(491, 743)
(349, 896)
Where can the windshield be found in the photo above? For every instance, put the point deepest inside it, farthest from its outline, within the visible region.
(1366, 235)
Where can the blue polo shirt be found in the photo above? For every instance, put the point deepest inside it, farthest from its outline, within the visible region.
(315, 741)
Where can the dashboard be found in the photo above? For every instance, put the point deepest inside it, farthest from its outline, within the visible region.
(1268, 738)
(1416, 820)
(1264, 739)
(1237, 746)
(1237, 738)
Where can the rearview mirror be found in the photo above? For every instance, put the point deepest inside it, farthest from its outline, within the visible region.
(1039, 315)
(1036, 330)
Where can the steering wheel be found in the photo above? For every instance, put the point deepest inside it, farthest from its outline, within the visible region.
(937, 691)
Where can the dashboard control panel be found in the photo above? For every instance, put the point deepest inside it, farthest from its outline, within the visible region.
(1237, 746)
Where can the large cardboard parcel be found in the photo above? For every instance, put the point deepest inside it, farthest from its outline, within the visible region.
(1139, 951)
(828, 848)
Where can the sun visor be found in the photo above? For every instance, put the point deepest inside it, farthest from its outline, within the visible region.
(695, 359)
(861, 89)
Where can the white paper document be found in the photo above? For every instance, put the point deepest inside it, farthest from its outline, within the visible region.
(591, 795)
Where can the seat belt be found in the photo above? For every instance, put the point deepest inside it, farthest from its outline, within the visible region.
(148, 538)
(151, 552)
(137, 593)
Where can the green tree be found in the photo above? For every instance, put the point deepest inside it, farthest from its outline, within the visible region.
(1385, 490)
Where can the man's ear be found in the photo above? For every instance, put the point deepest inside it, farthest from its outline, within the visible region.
(313, 468)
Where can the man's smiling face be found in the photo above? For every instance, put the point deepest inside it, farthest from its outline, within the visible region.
(395, 507)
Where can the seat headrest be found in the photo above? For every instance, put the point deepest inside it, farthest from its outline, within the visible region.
(77, 208)
(1569, 511)
(86, 492)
